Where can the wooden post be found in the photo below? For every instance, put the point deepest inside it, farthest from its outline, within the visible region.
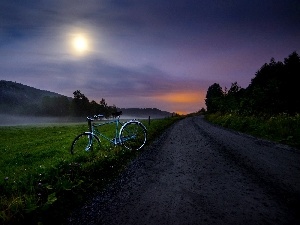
(149, 121)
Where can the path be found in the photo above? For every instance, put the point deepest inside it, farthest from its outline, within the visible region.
(197, 173)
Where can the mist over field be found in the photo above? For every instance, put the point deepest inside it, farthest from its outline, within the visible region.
(11, 120)
(14, 120)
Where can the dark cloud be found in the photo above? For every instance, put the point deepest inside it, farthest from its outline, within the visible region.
(142, 49)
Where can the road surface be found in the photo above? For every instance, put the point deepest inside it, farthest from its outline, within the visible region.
(198, 173)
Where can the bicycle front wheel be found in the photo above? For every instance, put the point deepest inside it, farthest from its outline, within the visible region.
(133, 135)
(85, 142)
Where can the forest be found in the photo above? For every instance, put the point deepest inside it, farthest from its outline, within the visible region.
(274, 90)
(19, 99)
(22, 100)
(78, 106)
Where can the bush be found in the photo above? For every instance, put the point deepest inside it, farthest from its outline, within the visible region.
(282, 128)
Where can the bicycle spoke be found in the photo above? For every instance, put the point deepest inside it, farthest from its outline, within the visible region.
(84, 142)
(133, 136)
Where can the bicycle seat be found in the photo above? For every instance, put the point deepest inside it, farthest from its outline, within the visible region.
(98, 117)
(116, 114)
(90, 118)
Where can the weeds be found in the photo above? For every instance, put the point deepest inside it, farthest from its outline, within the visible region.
(282, 128)
(41, 182)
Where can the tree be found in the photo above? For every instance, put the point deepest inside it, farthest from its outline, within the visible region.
(103, 103)
(290, 85)
(94, 108)
(55, 106)
(234, 89)
(202, 111)
(80, 104)
(265, 90)
(214, 98)
(232, 98)
(274, 89)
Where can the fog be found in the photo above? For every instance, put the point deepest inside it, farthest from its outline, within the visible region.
(14, 120)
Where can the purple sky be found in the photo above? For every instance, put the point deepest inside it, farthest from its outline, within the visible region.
(141, 53)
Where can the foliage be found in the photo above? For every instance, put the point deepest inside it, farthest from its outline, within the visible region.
(40, 181)
(55, 106)
(80, 103)
(281, 128)
(145, 112)
(214, 98)
(20, 99)
(81, 106)
(272, 91)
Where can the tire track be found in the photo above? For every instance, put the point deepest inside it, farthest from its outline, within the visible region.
(197, 173)
(268, 182)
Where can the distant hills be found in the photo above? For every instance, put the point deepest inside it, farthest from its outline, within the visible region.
(16, 98)
(13, 93)
(144, 113)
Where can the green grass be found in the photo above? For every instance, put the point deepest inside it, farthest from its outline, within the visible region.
(41, 181)
(282, 128)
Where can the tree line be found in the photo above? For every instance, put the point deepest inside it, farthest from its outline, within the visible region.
(273, 90)
(80, 105)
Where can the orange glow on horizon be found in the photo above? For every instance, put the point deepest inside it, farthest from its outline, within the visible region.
(181, 102)
(181, 112)
(181, 97)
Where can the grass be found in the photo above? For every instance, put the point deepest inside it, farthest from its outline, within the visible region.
(282, 128)
(41, 182)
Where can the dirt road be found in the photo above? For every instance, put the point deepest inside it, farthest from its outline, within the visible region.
(197, 173)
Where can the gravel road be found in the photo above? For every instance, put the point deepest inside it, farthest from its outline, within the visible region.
(198, 173)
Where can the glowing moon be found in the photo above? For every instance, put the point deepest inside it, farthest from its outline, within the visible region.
(80, 44)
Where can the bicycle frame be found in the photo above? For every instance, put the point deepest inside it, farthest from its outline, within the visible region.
(131, 134)
(93, 129)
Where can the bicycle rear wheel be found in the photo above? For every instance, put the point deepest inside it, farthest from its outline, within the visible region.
(133, 135)
(85, 142)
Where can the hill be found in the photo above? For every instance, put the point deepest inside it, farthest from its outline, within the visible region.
(15, 96)
(145, 112)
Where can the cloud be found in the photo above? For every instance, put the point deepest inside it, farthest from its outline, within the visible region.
(144, 52)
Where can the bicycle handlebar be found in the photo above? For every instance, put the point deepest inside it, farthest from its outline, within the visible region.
(91, 118)
(99, 116)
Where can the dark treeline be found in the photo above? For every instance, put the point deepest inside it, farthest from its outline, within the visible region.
(274, 89)
(78, 106)
(22, 100)
(146, 112)
(19, 99)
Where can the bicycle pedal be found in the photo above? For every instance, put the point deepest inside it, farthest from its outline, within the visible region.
(88, 148)
(116, 142)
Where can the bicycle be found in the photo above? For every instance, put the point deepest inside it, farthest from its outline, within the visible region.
(132, 134)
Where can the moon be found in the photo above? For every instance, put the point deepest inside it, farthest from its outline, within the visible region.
(80, 44)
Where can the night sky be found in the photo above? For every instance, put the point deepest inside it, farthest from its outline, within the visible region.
(143, 53)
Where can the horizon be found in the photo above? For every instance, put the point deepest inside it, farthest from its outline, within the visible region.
(143, 54)
(86, 96)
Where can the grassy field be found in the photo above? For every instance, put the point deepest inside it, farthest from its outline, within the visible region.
(282, 128)
(40, 181)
